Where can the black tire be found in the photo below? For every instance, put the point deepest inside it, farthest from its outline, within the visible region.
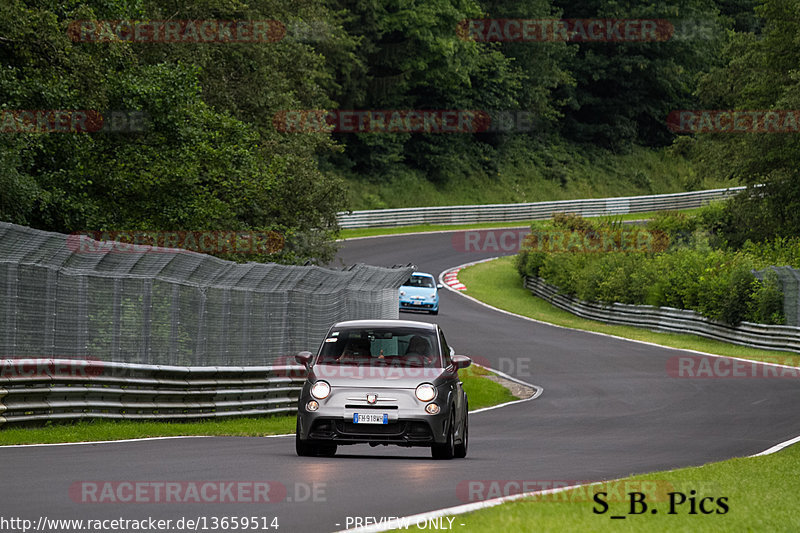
(309, 449)
(326, 450)
(460, 450)
(302, 447)
(447, 450)
(435, 312)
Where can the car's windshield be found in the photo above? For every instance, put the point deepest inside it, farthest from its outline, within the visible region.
(400, 346)
(419, 281)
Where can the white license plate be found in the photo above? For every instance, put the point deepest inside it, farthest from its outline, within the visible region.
(416, 303)
(370, 418)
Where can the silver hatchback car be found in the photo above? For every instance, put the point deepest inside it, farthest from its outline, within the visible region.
(383, 382)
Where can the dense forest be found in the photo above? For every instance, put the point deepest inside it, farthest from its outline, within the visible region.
(227, 125)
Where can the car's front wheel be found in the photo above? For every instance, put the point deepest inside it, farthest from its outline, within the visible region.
(446, 450)
(308, 449)
(461, 449)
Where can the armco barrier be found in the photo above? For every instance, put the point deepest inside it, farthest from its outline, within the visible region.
(468, 214)
(34, 390)
(763, 336)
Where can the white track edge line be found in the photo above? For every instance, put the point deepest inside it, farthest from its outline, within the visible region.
(83, 443)
(143, 439)
(485, 504)
(778, 447)
(459, 509)
(778, 365)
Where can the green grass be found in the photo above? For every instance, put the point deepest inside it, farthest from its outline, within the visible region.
(371, 232)
(482, 393)
(498, 284)
(98, 430)
(531, 173)
(761, 495)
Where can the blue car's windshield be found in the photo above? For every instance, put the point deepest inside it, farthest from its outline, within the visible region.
(380, 347)
(420, 281)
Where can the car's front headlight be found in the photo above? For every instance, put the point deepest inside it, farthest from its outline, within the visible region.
(425, 392)
(432, 296)
(320, 390)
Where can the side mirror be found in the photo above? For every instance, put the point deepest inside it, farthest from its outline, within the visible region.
(304, 358)
(439, 286)
(461, 361)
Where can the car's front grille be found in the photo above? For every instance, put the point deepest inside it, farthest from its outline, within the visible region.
(349, 428)
(417, 306)
(365, 406)
(408, 432)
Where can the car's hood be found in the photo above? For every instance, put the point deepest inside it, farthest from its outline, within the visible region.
(375, 376)
(418, 291)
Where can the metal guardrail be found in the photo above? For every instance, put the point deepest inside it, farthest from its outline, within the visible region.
(468, 214)
(63, 389)
(768, 337)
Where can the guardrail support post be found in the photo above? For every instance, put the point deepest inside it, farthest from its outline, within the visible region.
(3, 392)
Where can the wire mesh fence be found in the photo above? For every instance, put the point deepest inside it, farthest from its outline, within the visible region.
(163, 306)
(789, 279)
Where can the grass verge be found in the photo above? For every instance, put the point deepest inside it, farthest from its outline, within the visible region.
(482, 393)
(497, 283)
(99, 430)
(421, 228)
(522, 171)
(760, 492)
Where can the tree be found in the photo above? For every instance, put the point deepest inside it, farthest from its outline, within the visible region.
(209, 157)
(760, 74)
(625, 90)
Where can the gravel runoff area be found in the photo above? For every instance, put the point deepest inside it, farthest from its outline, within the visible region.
(517, 389)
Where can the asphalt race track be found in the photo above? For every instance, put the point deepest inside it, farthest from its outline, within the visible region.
(609, 409)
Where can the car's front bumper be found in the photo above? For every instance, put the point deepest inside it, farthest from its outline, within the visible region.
(404, 432)
(420, 305)
(408, 423)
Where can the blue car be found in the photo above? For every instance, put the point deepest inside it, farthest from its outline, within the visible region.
(420, 293)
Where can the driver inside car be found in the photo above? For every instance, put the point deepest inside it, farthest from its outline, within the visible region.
(419, 348)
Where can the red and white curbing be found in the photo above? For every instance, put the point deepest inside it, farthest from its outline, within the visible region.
(451, 279)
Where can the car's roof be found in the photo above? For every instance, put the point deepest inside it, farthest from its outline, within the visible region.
(422, 274)
(385, 324)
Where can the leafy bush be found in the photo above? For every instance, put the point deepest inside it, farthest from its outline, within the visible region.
(678, 226)
(779, 251)
(719, 284)
(573, 222)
